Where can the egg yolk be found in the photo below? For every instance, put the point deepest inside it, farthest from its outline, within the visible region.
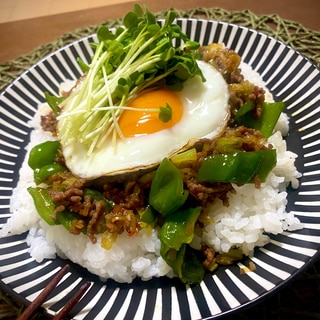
(135, 122)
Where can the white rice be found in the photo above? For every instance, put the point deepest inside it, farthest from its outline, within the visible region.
(251, 214)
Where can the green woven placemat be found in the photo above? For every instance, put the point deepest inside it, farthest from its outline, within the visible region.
(302, 39)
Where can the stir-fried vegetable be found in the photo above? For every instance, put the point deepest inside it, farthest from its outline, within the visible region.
(239, 167)
(46, 207)
(125, 63)
(54, 102)
(96, 195)
(176, 232)
(42, 160)
(43, 173)
(43, 154)
(167, 192)
(135, 58)
(43, 203)
(179, 228)
(266, 122)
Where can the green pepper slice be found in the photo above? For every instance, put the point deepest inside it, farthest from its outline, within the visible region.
(96, 195)
(149, 216)
(239, 167)
(192, 270)
(54, 102)
(46, 207)
(42, 174)
(184, 262)
(266, 122)
(43, 154)
(228, 145)
(66, 218)
(176, 232)
(43, 203)
(174, 258)
(179, 227)
(167, 193)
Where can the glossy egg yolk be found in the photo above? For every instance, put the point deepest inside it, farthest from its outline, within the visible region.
(134, 122)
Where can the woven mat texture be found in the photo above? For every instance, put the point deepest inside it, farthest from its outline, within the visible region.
(302, 39)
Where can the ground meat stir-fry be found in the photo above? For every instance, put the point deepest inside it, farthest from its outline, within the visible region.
(244, 92)
(49, 123)
(207, 193)
(122, 219)
(121, 212)
(225, 60)
(210, 261)
(131, 197)
(240, 90)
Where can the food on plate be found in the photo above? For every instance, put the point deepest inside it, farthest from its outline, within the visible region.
(165, 158)
(147, 139)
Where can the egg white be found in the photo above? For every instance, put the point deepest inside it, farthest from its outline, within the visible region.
(205, 109)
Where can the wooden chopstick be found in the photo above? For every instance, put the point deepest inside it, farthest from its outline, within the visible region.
(72, 302)
(35, 304)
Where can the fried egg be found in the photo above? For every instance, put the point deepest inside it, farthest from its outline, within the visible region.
(199, 110)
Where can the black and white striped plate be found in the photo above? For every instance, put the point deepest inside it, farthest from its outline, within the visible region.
(289, 76)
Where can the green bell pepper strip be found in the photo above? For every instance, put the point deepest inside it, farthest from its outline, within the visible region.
(66, 218)
(179, 227)
(53, 102)
(185, 157)
(176, 232)
(42, 174)
(167, 193)
(174, 258)
(239, 167)
(45, 208)
(149, 216)
(43, 203)
(192, 269)
(266, 122)
(228, 145)
(43, 154)
(229, 257)
(96, 195)
(42, 159)
(184, 263)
